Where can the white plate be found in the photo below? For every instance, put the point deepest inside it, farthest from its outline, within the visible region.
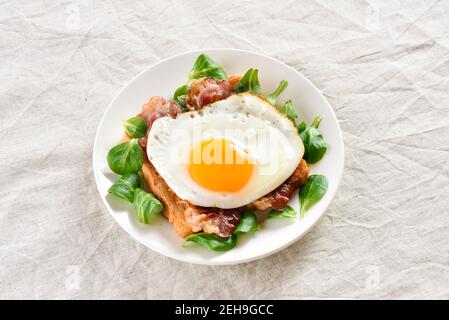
(162, 79)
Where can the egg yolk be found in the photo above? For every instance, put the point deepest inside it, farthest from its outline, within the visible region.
(218, 165)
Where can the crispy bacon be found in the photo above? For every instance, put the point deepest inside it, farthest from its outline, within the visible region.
(225, 219)
(234, 81)
(155, 108)
(279, 197)
(207, 90)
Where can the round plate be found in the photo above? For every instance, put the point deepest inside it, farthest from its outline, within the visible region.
(162, 79)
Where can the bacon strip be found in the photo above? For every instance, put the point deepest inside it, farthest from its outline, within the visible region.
(225, 219)
(205, 91)
(278, 198)
(155, 108)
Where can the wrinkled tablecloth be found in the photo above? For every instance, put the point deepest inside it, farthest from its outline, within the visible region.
(383, 66)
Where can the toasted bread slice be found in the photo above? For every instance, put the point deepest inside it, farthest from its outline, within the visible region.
(174, 207)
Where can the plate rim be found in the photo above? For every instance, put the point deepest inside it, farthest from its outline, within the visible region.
(238, 261)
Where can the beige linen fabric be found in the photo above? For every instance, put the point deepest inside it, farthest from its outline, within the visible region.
(383, 66)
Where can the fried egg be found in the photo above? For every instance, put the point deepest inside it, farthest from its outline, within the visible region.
(226, 155)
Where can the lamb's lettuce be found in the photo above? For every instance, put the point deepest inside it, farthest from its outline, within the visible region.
(212, 241)
(312, 192)
(180, 95)
(272, 97)
(289, 111)
(125, 186)
(146, 205)
(249, 82)
(126, 157)
(288, 212)
(248, 223)
(314, 145)
(135, 127)
(301, 127)
(206, 67)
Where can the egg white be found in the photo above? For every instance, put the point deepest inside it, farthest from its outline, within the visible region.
(244, 119)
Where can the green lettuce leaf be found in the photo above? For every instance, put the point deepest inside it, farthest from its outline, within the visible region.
(206, 67)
